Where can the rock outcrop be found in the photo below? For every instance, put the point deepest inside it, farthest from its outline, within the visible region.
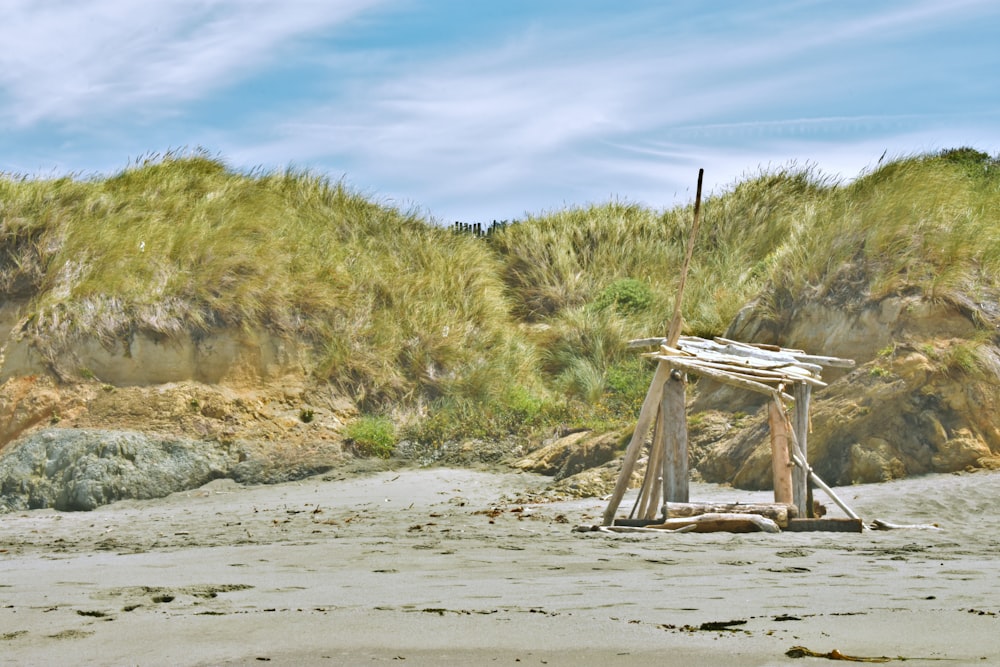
(573, 453)
(77, 440)
(77, 469)
(923, 398)
(902, 414)
(80, 469)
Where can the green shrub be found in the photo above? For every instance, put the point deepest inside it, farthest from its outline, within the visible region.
(517, 412)
(976, 161)
(628, 296)
(372, 436)
(627, 385)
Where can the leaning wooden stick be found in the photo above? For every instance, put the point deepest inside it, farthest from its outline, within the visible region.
(651, 404)
(799, 459)
(676, 321)
(645, 503)
(646, 415)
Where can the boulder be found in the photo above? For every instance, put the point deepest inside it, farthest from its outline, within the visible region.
(75, 469)
(574, 453)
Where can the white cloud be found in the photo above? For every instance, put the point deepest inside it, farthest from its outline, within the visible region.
(515, 122)
(66, 59)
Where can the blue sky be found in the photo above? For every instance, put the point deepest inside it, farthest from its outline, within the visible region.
(467, 110)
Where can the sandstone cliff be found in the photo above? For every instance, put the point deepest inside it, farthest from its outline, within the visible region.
(234, 404)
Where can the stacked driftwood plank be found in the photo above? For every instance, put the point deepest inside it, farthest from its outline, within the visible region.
(756, 367)
(785, 375)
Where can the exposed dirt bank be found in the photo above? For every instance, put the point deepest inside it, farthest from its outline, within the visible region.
(923, 399)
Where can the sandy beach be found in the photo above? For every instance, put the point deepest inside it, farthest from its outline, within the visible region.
(442, 566)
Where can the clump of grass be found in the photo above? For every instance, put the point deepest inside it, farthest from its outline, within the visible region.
(371, 436)
(877, 371)
(580, 348)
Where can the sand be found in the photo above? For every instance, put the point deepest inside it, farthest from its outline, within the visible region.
(452, 567)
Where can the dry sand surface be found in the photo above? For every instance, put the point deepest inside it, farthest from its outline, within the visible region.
(440, 566)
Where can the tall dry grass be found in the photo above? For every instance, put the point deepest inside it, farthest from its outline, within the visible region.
(522, 329)
(396, 307)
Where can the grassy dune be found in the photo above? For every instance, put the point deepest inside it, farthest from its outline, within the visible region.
(462, 335)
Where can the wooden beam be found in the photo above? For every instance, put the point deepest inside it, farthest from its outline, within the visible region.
(781, 465)
(684, 363)
(787, 374)
(675, 441)
(824, 525)
(798, 355)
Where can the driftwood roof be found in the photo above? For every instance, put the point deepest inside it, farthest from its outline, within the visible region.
(762, 368)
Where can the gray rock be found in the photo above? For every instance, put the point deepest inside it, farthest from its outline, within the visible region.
(75, 469)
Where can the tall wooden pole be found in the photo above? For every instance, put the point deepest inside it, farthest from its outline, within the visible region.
(651, 404)
(677, 321)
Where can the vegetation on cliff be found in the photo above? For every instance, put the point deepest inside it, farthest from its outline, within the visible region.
(457, 336)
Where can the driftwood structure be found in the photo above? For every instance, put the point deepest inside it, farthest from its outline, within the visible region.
(784, 375)
(767, 369)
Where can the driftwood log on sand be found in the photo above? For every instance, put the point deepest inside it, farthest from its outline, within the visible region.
(705, 523)
(722, 522)
(879, 524)
(776, 512)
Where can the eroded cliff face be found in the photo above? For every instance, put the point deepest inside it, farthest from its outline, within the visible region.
(245, 397)
(231, 357)
(923, 398)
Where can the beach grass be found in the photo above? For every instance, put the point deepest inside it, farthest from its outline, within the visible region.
(523, 329)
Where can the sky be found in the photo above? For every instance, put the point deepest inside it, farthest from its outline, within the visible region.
(480, 111)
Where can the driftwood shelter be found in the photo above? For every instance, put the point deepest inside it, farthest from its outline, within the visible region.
(786, 376)
(767, 369)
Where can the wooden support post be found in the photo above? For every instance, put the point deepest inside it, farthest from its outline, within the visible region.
(646, 415)
(781, 460)
(675, 450)
(800, 477)
(649, 499)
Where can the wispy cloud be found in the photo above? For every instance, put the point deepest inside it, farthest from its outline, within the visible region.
(66, 59)
(545, 110)
(527, 113)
